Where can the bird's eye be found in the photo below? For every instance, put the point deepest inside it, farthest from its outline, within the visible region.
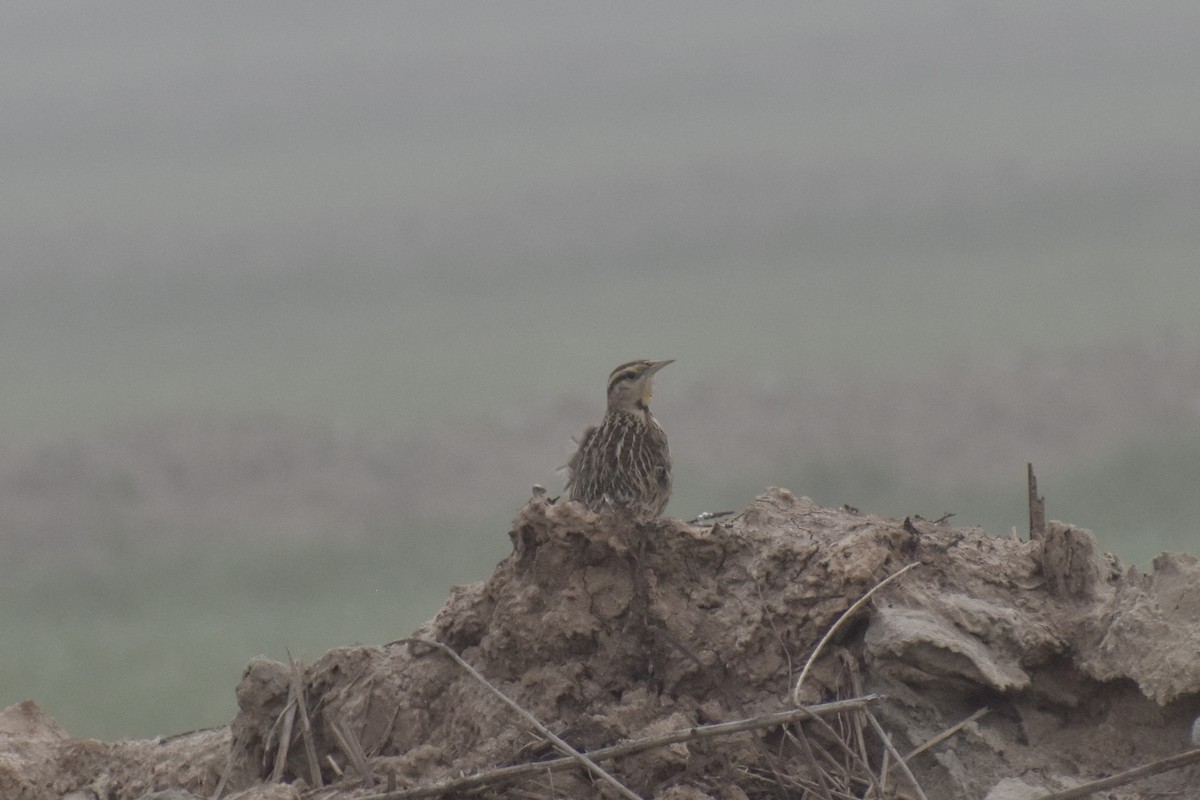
(630, 375)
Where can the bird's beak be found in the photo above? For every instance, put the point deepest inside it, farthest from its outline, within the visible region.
(647, 391)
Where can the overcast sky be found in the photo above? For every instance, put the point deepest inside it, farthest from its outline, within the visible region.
(182, 135)
(496, 190)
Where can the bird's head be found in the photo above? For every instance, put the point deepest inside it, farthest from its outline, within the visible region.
(630, 385)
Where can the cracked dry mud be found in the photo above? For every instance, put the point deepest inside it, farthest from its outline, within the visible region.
(607, 631)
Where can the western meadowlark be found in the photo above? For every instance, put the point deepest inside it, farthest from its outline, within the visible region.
(624, 463)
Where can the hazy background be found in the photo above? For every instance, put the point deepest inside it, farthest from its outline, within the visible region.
(298, 300)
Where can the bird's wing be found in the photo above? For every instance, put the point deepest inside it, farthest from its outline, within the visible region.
(572, 466)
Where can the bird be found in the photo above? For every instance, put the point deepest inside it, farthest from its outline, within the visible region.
(623, 464)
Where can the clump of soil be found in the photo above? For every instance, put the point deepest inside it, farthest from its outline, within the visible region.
(607, 630)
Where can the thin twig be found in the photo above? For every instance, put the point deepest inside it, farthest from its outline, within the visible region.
(883, 770)
(891, 748)
(285, 737)
(777, 781)
(846, 615)
(348, 743)
(235, 749)
(591, 765)
(835, 768)
(387, 732)
(860, 761)
(1037, 506)
(506, 774)
(855, 720)
(1129, 776)
(944, 735)
(818, 773)
(310, 747)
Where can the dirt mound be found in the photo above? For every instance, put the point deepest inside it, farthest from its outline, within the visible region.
(39, 760)
(607, 631)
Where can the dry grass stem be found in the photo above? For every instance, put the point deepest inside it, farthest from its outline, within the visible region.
(860, 761)
(899, 759)
(505, 774)
(592, 767)
(855, 720)
(818, 773)
(1129, 776)
(883, 772)
(846, 615)
(285, 737)
(310, 747)
(348, 743)
(235, 749)
(944, 735)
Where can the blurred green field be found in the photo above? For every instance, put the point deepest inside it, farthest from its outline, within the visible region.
(153, 640)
